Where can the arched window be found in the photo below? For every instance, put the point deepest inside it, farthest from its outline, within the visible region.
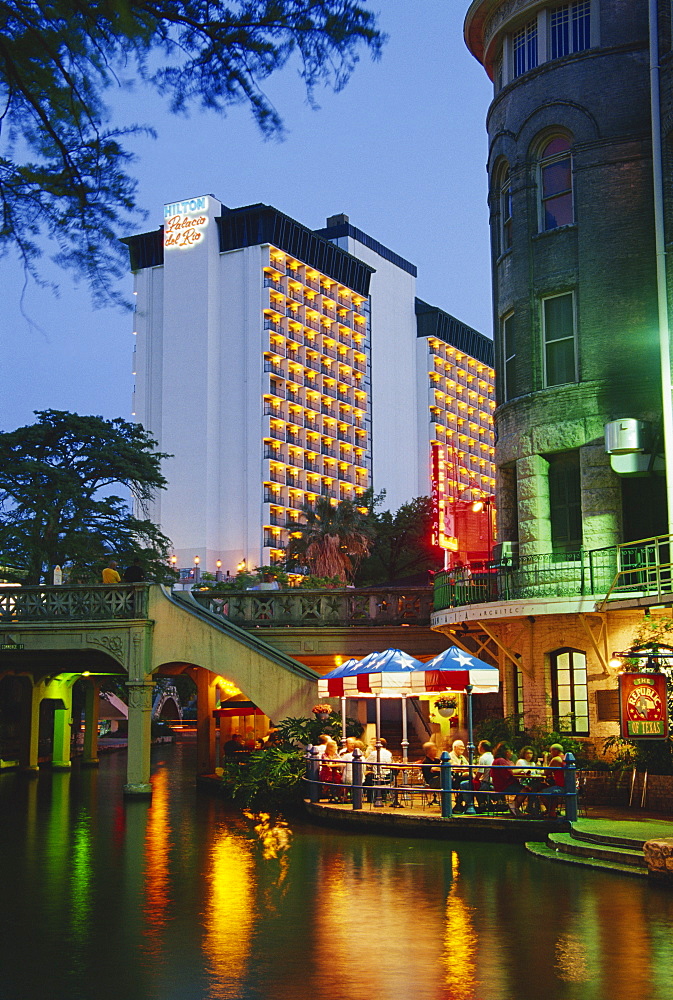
(505, 206)
(570, 693)
(555, 184)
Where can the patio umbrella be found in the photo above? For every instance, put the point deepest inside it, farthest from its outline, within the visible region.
(456, 670)
(343, 669)
(377, 675)
(395, 674)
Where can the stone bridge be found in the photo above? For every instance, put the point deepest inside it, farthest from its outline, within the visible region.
(52, 636)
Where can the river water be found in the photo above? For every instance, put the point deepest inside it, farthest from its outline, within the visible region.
(185, 900)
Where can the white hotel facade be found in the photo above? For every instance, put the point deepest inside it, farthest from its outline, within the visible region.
(276, 364)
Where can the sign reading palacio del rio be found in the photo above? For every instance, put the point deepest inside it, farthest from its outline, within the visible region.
(642, 706)
(184, 222)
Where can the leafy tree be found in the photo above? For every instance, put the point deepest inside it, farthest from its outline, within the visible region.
(403, 543)
(63, 169)
(55, 504)
(332, 539)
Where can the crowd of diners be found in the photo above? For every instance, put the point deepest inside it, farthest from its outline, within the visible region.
(536, 780)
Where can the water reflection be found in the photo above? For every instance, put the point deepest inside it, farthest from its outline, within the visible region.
(178, 900)
(230, 912)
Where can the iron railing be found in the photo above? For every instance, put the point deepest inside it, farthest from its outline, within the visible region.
(631, 569)
(397, 785)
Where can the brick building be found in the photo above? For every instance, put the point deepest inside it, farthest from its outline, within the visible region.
(580, 449)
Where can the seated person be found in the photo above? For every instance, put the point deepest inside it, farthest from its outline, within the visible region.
(375, 773)
(460, 769)
(331, 771)
(505, 778)
(481, 780)
(234, 746)
(555, 778)
(430, 766)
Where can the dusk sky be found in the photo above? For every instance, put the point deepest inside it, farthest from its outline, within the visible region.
(401, 150)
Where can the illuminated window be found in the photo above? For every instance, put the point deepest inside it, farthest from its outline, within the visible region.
(570, 693)
(555, 184)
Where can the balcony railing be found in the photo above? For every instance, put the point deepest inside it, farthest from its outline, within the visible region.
(632, 570)
(65, 604)
(389, 606)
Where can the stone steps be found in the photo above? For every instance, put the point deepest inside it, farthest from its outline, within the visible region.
(551, 854)
(595, 850)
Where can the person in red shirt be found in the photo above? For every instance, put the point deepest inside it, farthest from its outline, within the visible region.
(505, 780)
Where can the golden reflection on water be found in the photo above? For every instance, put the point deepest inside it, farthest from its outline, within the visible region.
(230, 911)
(157, 853)
(366, 933)
(459, 941)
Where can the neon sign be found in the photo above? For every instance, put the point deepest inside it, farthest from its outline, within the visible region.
(439, 534)
(184, 222)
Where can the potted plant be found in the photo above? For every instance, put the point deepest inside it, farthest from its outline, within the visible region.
(446, 706)
(322, 712)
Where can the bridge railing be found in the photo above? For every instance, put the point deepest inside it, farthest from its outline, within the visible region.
(77, 603)
(385, 606)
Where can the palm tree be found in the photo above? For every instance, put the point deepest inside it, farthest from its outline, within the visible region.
(333, 539)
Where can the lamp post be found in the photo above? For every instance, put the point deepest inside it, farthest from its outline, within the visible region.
(197, 569)
(218, 571)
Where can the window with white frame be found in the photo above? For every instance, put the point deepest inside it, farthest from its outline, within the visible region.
(524, 48)
(555, 184)
(509, 358)
(569, 29)
(558, 328)
(570, 693)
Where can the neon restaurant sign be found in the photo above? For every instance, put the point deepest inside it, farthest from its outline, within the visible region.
(184, 222)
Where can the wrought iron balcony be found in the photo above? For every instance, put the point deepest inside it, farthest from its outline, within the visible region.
(640, 571)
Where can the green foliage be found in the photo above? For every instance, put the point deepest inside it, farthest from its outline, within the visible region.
(55, 501)
(270, 779)
(403, 544)
(300, 733)
(64, 171)
(332, 540)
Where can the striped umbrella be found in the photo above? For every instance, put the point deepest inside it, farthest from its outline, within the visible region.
(394, 673)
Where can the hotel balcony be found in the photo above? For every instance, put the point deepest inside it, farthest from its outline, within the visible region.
(633, 574)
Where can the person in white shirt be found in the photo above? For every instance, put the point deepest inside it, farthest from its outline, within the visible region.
(482, 775)
(375, 759)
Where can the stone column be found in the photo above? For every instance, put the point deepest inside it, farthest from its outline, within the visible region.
(205, 723)
(139, 738)
(60, 689)
(90, 749)
(30, 728)
(601, 498)
(532, 475)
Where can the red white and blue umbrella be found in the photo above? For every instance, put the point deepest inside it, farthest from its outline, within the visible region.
(393, 674)
(454, 670)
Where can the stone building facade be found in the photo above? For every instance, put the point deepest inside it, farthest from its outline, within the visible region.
(576, 330)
